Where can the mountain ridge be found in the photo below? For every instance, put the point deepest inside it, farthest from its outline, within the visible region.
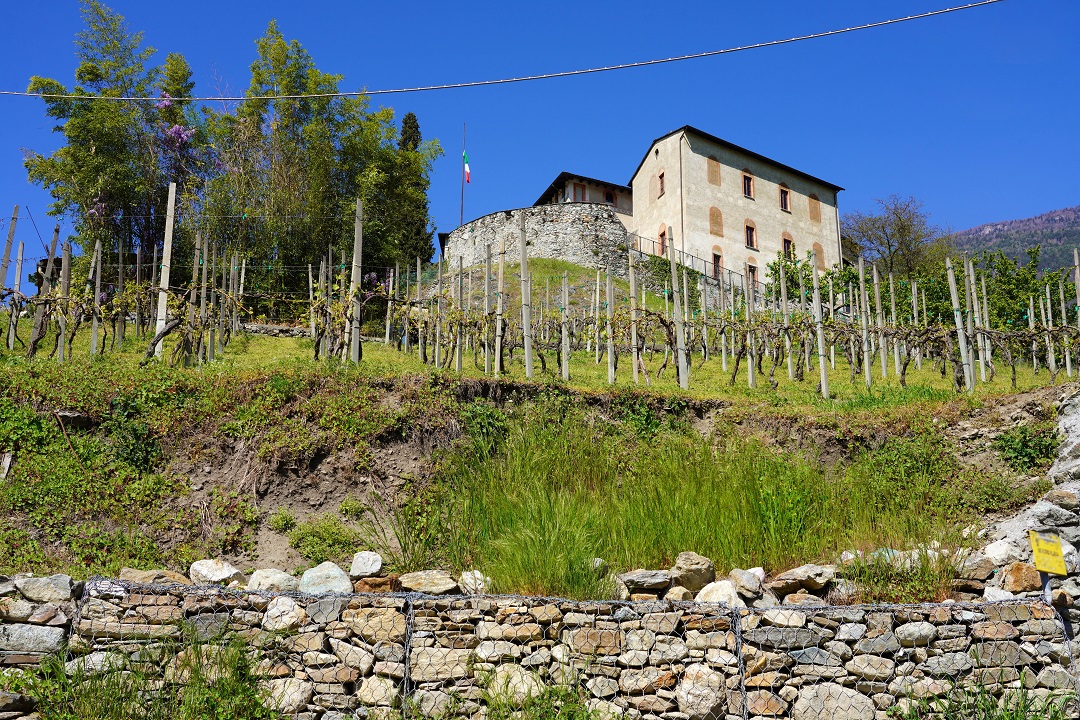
(1056, 231)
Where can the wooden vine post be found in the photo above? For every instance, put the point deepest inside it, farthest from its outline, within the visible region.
(7, 246)
(95, 323)
(634, 350)
(500, 307)
(487, 309)
(65, 293)
(564, 326)
(610, 333)
(965, 357)
(13, 316)
(680, 337)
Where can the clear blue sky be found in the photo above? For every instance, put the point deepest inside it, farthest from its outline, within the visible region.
(976, 113)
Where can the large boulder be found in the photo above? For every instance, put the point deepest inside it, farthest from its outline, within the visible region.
(214, 572)
(20, 638)
(429, 582)
(514, 684)
(637, 580)
(273, 580)
(829, 700)
(153, 577)
(289, 695)
(365, 564)
(325, 579)
(692, 571)
(55, 588)
(283, 614)
(721, 591)
(806, 577)
(702, 693)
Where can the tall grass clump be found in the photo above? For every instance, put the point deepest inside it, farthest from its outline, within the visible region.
(201, 680)
(566, 487)
(978, 704)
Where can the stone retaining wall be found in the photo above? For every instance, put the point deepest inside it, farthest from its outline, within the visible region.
(374, 655)
(582, 233)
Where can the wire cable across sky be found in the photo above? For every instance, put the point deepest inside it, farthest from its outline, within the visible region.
(526, 78)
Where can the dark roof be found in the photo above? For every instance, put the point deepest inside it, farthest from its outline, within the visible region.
(564, 176)
(733, 146)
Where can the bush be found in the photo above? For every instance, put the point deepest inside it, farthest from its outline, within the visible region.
(281, 521)
(1028, 447)
(326, 538)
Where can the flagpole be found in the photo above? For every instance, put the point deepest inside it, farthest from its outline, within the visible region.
(461, 209)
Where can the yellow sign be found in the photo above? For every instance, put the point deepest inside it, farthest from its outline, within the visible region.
(1047, 551)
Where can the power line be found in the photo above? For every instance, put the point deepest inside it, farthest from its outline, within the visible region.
(526, 78)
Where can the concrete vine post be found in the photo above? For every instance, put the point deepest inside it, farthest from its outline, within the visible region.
(487, 309)
(121, 327)
(610, 333)
(832, 316)
(1048, 324)
(958, 316)
(803, 342)
(596, 317)
(634, 350)
(457, 325)
(65, 293)
(915, 321)
(95, 325)
(391, 291)
(526, 297)
(986, 320)
(13, 316)
(211, 319)
(419, 313)
(193, 295)
(680, 336)
(166, 261)
(438, 314)
(500, 307)
(7, 246)
(564, 329)
(974, 311)
(787, 320)
(879, 317)
(1031, 327)
(240, 291)
(356, 280)
(819, 321)
(138, 284)
(1064, 323)
(153, 284)
(751, 351)
(892, 308)
(864, 329)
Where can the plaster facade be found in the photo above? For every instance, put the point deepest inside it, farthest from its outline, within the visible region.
(569, 188)
(690, 189)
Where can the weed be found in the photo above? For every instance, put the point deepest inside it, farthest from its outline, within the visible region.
(325, 538)
(352, 508)
(1028, 447)
(978, 704)
(281, 520)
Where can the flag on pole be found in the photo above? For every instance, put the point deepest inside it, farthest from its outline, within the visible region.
(468, 175)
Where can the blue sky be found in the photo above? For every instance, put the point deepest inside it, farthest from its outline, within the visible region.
(976, 113)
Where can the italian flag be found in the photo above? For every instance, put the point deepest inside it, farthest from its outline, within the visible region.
(468, 175)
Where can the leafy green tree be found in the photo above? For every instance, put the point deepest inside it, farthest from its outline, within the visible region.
(899, 238)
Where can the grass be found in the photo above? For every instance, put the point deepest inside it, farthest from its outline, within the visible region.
(563, 488)
(977, 703)
(219, 683)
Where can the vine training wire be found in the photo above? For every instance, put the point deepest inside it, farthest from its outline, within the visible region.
(526, 78)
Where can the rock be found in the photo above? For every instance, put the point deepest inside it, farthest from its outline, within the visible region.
(951, 664)
(273, 580)
(1003, 552)
(20, 638)
(747, 583)
(807, 577)
(214, 572)
(1004, 653)
(378, 692)
(352, 656)
(677, 593)
(283, 613)
(976, 567)
(915, 634)
(55, 588)
(430, 703)
(289, 695)
(997, 630)
(647, 680)
(1056, 678)
(376, 625)
(878, 645)
(692, 571)
(15, 703)
(474, 582)
(603, 710)
(702, 694)
(377, 584)
(783, 638)
(1019, 577)
(829, 700)
(602, 687)
(153, 577)
(646, 580)
(993, 594)
(438, 664)
(848, 632)
(1063, 499)
(721, 591)
(95, 663)
(365, 564)
(514, 684)
(429, 582)
(784, 618)
(327, 610)
(593, 641)
(765, 703)
(325, 579)
(871, 667)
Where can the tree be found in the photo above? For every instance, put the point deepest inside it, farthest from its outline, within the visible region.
(414, 162)
(900, 238)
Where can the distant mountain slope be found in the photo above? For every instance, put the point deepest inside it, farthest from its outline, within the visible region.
(1058, 232)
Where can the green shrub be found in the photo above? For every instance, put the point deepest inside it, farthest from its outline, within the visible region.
(353, 509)
(322, 539)
(281, 520)
(1028, 447)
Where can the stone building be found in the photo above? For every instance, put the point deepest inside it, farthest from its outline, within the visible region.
(730, 206)
(719, 206)
(567, 188)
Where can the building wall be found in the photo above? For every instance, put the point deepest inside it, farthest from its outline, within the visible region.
(687, 214)
(594, 193)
